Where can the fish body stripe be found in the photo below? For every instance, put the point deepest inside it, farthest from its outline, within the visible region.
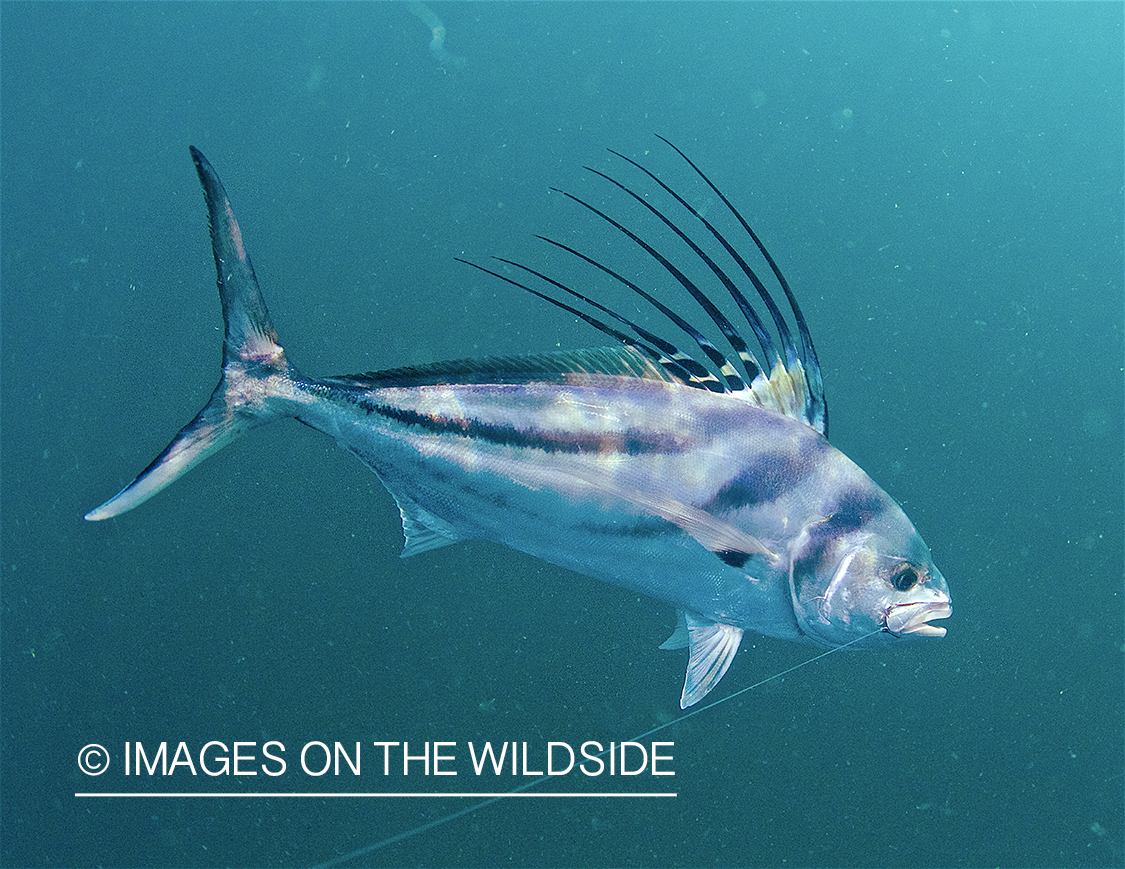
(628, 441)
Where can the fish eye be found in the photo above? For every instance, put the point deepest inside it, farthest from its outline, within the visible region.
(905, 577)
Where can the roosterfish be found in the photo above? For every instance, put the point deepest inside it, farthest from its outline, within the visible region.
(701, 478)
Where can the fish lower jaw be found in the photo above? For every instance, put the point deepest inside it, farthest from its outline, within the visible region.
(915, 618)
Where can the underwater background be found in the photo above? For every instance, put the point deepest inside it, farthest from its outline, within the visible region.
(940, 183)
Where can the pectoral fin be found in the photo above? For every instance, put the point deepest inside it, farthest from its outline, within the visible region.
(732, 545)
(709, 531)
(713, 647)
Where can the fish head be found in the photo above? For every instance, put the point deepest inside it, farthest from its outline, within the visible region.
(875, 577)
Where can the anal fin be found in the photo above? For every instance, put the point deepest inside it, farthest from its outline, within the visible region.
(423, 530)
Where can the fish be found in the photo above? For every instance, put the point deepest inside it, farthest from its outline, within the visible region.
(702, 478)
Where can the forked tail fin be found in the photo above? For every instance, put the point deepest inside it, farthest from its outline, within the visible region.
(256, 382)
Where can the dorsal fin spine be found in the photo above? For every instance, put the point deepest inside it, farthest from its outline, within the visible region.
(817, 405)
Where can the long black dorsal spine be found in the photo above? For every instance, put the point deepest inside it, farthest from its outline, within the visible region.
(713, 370)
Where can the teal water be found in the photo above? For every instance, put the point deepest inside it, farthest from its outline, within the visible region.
(942, 185)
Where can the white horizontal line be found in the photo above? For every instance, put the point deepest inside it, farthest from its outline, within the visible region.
(412, 796)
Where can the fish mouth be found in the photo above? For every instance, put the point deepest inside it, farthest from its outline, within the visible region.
(915, 618)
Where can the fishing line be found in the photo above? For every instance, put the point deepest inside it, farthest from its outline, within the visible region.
(453, 816)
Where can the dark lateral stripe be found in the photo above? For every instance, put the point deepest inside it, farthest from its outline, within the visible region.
(762, 483)
(627, 442)
(768, 478)
(855, 508)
